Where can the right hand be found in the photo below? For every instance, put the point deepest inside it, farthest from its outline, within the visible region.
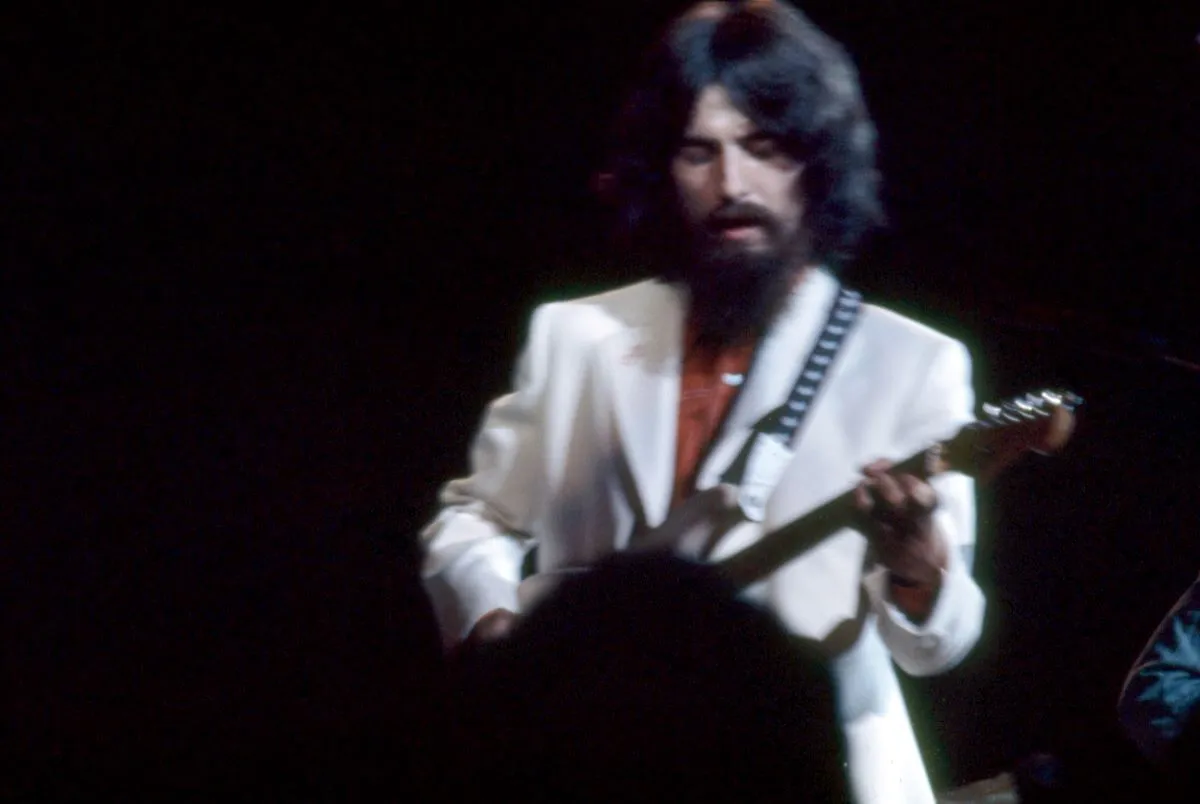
(496, 624)
(693, 527)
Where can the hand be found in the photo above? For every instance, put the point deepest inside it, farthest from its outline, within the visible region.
(898, 511)
(693, 527)
(495, 625)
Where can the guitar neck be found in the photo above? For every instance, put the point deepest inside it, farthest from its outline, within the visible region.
(1040, 423)
(774, 549)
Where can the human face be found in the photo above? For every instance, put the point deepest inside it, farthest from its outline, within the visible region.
(737, 187)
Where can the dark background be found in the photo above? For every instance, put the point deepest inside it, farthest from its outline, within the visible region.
(263, 270)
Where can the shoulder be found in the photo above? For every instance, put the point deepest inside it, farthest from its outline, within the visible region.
(880, 330)
(905, 341)
(929, 375)
(598, 315)
(892, 327)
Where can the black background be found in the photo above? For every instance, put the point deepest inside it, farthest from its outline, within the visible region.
(264, 268)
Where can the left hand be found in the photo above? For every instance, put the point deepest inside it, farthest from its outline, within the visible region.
(898, 510)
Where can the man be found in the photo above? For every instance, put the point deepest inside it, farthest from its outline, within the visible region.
(1160, 702)
(743, 170)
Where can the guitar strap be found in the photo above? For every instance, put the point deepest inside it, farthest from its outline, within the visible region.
(760, 464)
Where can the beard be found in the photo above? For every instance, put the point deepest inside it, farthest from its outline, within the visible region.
(735, 291)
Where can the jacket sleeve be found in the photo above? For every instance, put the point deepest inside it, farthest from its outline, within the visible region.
(1163, 689)
(474, 547)
(941, 402)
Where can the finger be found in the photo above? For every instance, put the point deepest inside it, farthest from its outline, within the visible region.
(877, 467)
(890, 492)
(864, 501)
(921, 496)
(496, 624)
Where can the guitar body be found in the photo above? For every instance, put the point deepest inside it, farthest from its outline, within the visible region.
(728, 539)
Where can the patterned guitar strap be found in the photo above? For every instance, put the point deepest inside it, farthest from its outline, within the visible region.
(760, 464)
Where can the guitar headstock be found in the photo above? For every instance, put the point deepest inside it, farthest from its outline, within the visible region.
(1040, 422)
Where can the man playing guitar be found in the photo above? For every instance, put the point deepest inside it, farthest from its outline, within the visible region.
(742, 377)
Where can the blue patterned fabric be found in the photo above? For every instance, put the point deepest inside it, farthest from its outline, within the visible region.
(1163, 689)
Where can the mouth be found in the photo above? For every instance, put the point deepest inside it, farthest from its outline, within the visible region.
(740, 230)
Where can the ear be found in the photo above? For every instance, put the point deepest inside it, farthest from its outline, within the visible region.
(604, 185)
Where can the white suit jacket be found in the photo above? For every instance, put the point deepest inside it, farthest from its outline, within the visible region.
(583, 449)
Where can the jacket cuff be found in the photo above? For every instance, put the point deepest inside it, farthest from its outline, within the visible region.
(482, 578)
(942, 639)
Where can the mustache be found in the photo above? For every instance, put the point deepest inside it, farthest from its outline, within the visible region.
(740, 214)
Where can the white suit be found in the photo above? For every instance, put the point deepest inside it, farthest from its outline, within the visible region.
(584, 448)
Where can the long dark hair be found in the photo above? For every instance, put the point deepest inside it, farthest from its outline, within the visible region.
(792, 80)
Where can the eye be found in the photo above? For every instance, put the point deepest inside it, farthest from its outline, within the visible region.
(695, 154)
(765, 148)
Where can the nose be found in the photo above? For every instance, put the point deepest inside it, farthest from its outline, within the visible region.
(733, 176)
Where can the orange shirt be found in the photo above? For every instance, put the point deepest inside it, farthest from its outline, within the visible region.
(708, 383)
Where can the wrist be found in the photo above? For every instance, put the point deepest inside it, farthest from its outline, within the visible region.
(915, 598)
(920, 563)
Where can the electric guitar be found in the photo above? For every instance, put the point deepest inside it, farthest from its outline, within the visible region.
(1040, 422)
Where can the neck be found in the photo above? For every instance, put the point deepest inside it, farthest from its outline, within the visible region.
(704, 338)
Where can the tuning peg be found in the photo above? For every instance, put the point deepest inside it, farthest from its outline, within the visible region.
(1064, 399)
(1029, 406)
(1038, 405)
(1070, 401)
(1037, 401)
(1011, 414)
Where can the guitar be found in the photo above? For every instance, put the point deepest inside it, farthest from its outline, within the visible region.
(1040, 422)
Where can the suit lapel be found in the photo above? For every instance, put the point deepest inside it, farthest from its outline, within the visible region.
(645, 363)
